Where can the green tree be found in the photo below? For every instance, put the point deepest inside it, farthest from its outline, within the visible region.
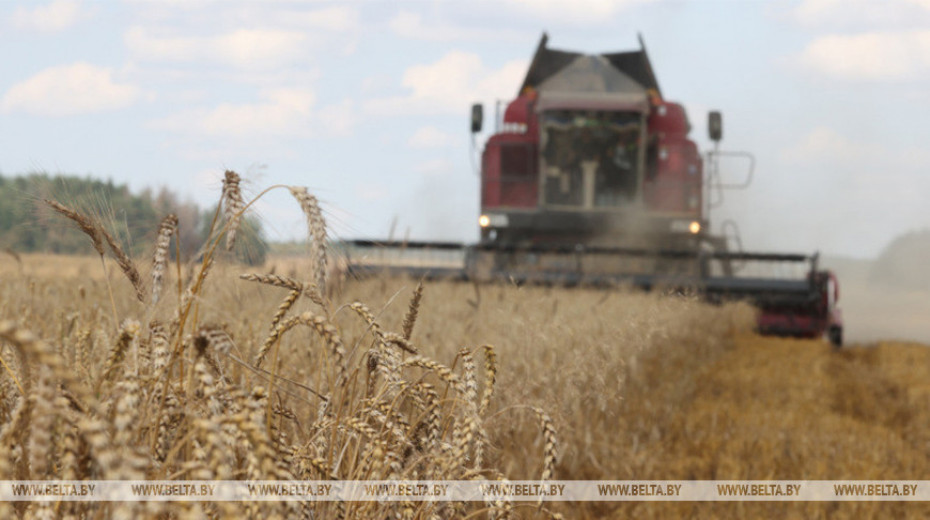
(27, 224)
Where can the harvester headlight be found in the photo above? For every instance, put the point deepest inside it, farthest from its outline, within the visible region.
(493, 220)
(695, 227)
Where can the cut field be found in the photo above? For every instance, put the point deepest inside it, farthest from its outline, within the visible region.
(637, 386)
(784, 409)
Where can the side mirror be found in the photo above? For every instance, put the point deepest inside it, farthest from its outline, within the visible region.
(477, 117)
(715, 125)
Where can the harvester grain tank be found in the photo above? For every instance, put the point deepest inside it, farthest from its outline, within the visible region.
(591, 179)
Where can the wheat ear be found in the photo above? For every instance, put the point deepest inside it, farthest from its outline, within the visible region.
(317, 228)
(275, 280)
(550, 450)
(490, 378)
(412, 311)
(85, 224)
(90, 229)
(125, 264)
(232, 206)
(168, 227)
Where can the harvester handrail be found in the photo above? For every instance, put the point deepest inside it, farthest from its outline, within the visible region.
(719, 184)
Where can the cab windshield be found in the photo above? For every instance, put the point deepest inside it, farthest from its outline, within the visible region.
(590, 158)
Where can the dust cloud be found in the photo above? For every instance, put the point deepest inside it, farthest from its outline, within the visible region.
(887, 298)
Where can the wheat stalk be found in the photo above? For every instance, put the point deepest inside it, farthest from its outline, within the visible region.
(84, 223)
(127, 332)
(273, 337)
(92, 231)
(11, 437)
(185, 413)
(40, 439)
(37, 351)
(432, 422)
(388, 338)
(125, 264)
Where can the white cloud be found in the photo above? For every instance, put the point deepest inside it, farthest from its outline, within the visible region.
(856, 190)
(243, 48)
(371, 191)
(429, 137)
(338, 120)
(411, 25)
(450, 84)
(281, 112)
(825, 144)
(872, 167)
(870, 56)
(334, 19)
(435, 167)
(67, 90)
(195, 77)
(376, 83)
(575, 11)
(245, 35)
(56, 16)
(862, 15)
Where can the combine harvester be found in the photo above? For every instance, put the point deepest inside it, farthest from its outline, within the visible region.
(591, 179)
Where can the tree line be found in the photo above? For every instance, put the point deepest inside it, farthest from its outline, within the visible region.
(28, 225)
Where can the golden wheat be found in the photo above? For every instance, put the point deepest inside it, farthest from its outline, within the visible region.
(167, 228)
(233, 205)
(317, 229)
(578, 385)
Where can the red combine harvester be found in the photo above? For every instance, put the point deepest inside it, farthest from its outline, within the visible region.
(591, 179)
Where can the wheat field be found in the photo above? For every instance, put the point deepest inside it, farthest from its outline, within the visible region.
(122, 368)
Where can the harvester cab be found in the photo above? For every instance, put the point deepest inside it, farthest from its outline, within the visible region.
(591, 175)
(591, 178)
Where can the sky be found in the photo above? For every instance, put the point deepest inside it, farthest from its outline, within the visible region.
(367, 103)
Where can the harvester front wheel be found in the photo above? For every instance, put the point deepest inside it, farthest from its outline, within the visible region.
(835, 334)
